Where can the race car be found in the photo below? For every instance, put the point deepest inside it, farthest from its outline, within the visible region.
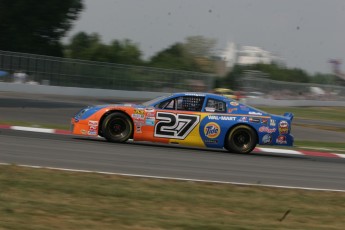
(190, 119)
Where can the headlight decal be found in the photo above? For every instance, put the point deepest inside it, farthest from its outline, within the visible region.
(87, 112)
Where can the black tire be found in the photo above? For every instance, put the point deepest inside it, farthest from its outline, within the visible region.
(117, 127)
(241, 139)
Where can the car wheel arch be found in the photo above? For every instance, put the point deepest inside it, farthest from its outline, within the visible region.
(101, 120)
(235, 126)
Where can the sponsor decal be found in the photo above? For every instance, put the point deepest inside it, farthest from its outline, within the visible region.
(92, 132)
(195, 94)
(221, 118)
(138, 116)
(139, 111)
(264, 121)
(210, 109)
(93, 128)
(234, 103)
(243, 119)
(83, 131)
(283, 127)
(211, 141)
(267, 139)
(264, 129)
(254, 113)
(272, 122)
(212, 130)
(150, 121)
(254, 120)
(139, 123)
(232, 110)
(281, 140)
(150, 110)
(138, 129)
(244, 108)
(93, 123)
(150, 114)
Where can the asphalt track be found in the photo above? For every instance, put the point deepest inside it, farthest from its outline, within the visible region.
(72, 152)
(67, 151)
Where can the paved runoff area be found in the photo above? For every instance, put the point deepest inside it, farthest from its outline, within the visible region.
(313, 153)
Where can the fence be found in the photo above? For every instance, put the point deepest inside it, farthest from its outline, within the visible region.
(256, 84)
(55, 71)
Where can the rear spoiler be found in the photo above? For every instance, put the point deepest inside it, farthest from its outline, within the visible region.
(288, 116)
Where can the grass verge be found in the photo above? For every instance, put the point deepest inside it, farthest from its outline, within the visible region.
(322, 127)
(50, 199)
(330, 146)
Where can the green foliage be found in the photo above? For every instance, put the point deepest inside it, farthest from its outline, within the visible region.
(274, 72)
(327, 79)
(125, 52)
(193, 55)
(232, 80)
(36, 26)
(279, 73)
(90, 47)
(174, 57)
(199, 46)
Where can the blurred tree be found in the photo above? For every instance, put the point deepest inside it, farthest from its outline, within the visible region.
(199, 46)
(327, 79)
(82, 46)
(193, 55)
(279, 73)
(36, 26)
(202, 49)
(125, 52)
(90, 47)
(273, 71)
(233, 79)
(175, 57)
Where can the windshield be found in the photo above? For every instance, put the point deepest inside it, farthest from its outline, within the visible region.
(155, 100)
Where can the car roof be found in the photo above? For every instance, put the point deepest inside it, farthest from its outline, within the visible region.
(200, 94)
(197, 94)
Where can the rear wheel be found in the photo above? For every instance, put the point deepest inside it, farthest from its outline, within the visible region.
(117, 127)
(241, 139)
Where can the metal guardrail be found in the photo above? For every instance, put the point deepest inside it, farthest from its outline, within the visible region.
(256, 85)
(56, 71)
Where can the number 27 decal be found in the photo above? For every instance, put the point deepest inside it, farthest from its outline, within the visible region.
(176, 126)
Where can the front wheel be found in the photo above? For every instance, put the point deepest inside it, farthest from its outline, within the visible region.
(241, 139)
(117, 127)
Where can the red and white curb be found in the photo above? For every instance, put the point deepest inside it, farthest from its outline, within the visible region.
(256, 150)
(33, 129)
(299, 152)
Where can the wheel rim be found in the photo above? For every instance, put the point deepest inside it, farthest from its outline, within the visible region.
(118, 127)
(242, 139)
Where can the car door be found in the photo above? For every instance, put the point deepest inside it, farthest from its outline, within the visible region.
(215, 122)
(177, 121)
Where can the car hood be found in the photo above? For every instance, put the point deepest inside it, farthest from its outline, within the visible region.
(88, 111)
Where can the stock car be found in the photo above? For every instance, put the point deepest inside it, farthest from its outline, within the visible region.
(189, 119)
